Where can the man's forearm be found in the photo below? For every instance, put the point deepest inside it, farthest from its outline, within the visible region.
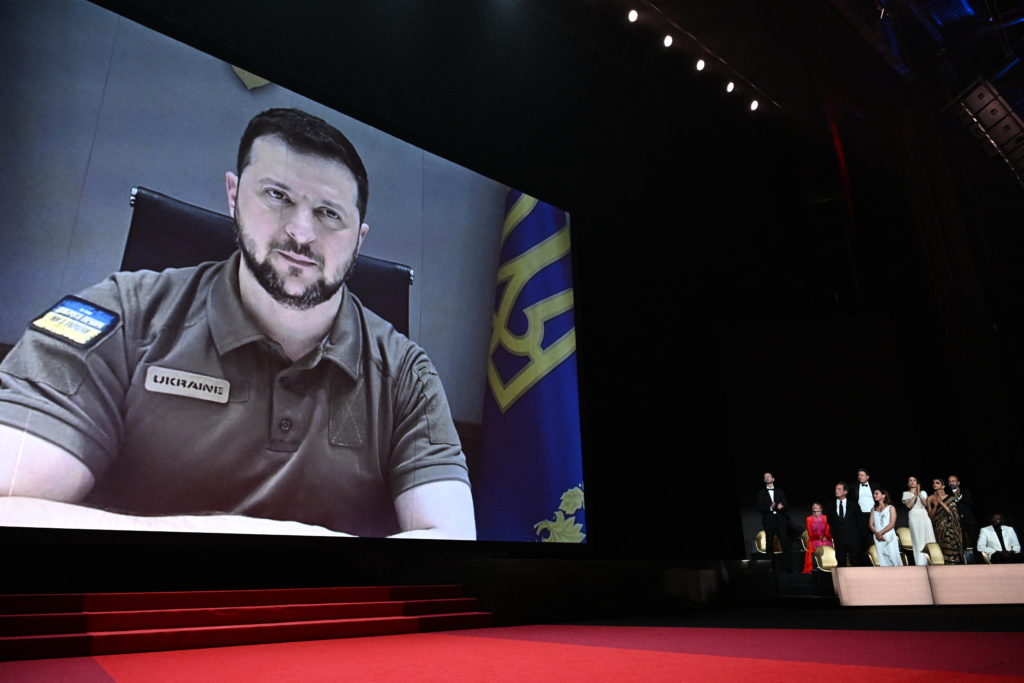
(37, 512)
(441, 534)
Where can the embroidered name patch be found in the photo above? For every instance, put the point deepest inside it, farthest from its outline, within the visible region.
(188, 384)
(76, 321)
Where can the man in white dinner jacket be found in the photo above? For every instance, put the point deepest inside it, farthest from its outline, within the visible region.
(999, 542)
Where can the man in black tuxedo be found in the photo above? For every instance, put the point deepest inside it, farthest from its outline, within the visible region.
(845, 522)
(965, 503)
(863, 496)
(771, 501)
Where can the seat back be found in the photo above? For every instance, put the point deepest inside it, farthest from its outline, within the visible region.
(906, 541)
(873, 555)
(761, 540)
(825, 558)
(168, 233)
(934, 552)
(805, 540)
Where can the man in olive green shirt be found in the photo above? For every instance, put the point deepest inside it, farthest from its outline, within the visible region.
(256, 395)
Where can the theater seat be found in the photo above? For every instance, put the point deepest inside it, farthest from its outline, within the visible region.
(825, 558)
(934, 552)
(906, 541)
(760, 541)
(168, 233)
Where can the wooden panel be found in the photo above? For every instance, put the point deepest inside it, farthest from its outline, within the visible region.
(868, 586)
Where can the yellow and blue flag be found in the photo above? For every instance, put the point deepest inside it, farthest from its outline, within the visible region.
(529, 479)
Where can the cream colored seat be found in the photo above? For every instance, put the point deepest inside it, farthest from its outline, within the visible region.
(906, 540)
(760, 541)
(825, 558)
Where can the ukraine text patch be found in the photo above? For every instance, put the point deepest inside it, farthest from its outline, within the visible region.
(76, 321)
(188, 384)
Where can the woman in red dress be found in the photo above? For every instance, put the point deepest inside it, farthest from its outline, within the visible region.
(818, 534)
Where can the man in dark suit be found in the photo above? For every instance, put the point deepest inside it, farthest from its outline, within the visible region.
(771, 502)
(965, 503)
(845, 522)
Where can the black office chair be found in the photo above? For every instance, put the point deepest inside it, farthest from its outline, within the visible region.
(169, 233)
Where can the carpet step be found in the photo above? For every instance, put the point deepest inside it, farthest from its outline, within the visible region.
(134, 620)
(108, 602)
(150, 640)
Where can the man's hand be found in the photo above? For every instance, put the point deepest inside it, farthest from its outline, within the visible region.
(36, 512)
(38, 480)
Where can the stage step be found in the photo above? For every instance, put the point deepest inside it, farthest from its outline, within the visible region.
(225, 618)
(105, 602)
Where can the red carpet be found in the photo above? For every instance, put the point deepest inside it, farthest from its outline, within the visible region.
(565, 654)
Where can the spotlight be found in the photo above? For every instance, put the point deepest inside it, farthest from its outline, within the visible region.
(633, 15)
(700, 65)
(730, 87)
(668, 41)
(753, 105)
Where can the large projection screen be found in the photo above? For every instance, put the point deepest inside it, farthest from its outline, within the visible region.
(103, 105)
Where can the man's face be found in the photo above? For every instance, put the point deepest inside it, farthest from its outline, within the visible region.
(862, 476)
(298, 226)
(840, 491)
(953, 482)
(768, 478)
(997, 519)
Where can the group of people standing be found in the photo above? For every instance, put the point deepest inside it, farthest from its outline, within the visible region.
(866, 515)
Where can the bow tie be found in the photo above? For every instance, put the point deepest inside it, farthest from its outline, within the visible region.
(863, 484)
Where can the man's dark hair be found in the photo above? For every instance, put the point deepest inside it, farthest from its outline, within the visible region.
(843, 484)
(861, 469)
(307, 134)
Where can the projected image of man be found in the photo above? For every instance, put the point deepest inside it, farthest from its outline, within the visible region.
(254, 395)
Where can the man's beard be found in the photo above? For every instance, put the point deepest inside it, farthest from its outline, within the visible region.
(313, 295)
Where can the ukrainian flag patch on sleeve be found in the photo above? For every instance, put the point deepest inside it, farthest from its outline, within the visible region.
(76, 321)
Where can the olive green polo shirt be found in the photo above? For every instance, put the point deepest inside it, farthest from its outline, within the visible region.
(185, 407)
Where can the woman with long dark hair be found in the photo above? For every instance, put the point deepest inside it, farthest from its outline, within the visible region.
(883, 526)
(921, 531)
(942, 508)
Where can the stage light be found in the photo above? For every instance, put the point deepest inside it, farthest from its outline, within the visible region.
(668, 41)
(701, 64)
(753, 105)
(633, 15)
(730, 87)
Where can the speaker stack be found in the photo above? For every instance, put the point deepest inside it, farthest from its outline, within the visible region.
(994, 124)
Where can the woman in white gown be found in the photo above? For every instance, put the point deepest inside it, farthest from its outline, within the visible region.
(883, 526)
(921, 531)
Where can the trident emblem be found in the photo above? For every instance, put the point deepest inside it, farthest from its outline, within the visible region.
(514, 275)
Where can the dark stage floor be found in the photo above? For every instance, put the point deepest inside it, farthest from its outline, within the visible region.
(1007, 618)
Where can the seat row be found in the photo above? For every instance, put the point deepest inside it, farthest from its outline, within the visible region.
(825, 556)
